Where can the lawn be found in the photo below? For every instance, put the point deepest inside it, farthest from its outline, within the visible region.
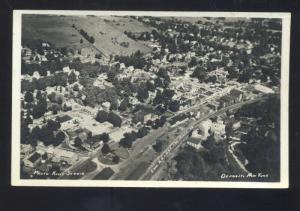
(120, 151)
(138, 171)
(105, 174)
(86, 168)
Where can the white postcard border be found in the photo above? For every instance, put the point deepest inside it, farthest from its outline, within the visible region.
(16, 106)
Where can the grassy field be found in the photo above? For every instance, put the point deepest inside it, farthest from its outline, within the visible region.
(194, 20)
(125, 23)
(105, 174)
(138, 171)
(57, 30)
(108, 34)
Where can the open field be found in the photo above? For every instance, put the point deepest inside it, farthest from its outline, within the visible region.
(126, 23)
(203, 19)
(57, 30)
(108, 36)
(105, 174)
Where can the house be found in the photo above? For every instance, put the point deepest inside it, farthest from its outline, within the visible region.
(263, 89)
(237, 94)
(227, 100)
(204, 128)
(218, 128)
(26, 149)
(195, 143)
(236, 125)
(106, 105)
(139, 116)
(33, 160)
(64, 155)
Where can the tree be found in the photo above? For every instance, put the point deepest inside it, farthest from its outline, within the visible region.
(142, 94)
(92, 40)
(126, 143)
(150, 86)
(59, 99)
(45, 156)
(143, 131)
(105, 149)
(35, 134)
(46, 136)
(158, 146)
(111, 74)
(60, 137)
(199, 73)
(28, 120)
(39, 95)
(114, 119)
(77, 142)
(24, 133)
(124, 104)
(39, 109)
(102, 116)
(53, 125)
(174, 105)
(72, 78)
(193, 62)
(61, 79)
(210, 142)
(55, 108)
(116, 159)
(132, 135)
(28, 97)
(104, 137)
(76, 88)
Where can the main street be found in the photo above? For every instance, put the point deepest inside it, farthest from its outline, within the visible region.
(142, 145)
(153, 167)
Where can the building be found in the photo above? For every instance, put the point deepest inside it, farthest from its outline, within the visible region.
(26, 149)
(195, 143)
(237, 94)
(64, 155)
(263, 89)
(236, 125)
(196, 134)
(33, 160)
(204, 128)
(218, 128)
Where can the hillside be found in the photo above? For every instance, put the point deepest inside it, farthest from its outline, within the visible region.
(108, 34)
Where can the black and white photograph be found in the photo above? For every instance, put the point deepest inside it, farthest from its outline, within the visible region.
(150, 99)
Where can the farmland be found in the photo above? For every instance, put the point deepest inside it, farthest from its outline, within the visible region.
(108, 36)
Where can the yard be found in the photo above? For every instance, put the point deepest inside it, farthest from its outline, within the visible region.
(105, 174)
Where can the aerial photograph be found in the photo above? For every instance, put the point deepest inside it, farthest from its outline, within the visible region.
(151, 98)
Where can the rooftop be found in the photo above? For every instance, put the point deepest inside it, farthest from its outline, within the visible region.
(194, 140)
(34, 157)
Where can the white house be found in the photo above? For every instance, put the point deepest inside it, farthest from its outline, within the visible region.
(204, 128)
(195, 143)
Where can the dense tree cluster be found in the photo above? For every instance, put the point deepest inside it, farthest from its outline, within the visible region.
(111, 117)
(262, 143)
(89, 38)
(58, 79)
(136, 59)
(48, 134)
(128, 139)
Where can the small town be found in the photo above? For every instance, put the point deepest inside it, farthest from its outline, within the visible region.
(150, 98)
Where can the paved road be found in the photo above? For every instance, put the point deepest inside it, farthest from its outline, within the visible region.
(163, 156)
(141, 145)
